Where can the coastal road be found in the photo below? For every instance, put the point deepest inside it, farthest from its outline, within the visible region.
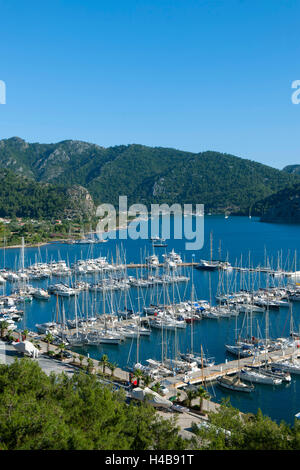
(8, 354)
(184, 420)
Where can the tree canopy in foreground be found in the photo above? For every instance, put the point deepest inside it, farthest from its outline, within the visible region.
(59, 412)
(228, 429)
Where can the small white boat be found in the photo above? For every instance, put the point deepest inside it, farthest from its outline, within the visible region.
(41, 294)
(48, 327)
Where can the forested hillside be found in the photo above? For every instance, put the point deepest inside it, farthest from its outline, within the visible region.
(147, 174)
(23, 197)
(281, 207)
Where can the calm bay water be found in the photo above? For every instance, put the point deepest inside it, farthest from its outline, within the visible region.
(236, 239)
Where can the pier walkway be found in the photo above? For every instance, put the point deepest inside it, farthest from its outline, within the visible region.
(261, 269)
(211, 374)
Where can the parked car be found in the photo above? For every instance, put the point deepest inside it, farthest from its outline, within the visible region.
(179, 408)
(67, 355)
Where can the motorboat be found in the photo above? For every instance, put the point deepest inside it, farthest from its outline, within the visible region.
(48, 327)
(208, 265)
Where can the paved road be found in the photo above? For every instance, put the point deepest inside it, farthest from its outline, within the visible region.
(8, 354)
(185, 420)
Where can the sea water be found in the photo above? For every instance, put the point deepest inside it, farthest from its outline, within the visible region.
(239, 240)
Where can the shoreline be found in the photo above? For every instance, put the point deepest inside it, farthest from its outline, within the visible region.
(118, 228)
(56, 240)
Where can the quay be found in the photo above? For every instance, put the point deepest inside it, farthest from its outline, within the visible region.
(120, 379)
(160, 265)
(206, 375)
(185, 420)
(211, 374)
(236, 268)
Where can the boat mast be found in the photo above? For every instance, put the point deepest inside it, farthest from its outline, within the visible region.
(76, 318)
(138, 332)
(192, 311)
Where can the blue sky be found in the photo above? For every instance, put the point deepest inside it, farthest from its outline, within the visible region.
(189, 74)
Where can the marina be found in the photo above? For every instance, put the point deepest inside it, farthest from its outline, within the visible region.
(140, 308)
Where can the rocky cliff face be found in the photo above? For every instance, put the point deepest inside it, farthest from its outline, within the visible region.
(80, 202)
(55, 162)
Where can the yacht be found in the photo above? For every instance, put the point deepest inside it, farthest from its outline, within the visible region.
(206, 361)
(234, 383)
(239, 350)
(271, 371)
(255, 376)
(168, 323)
(48, 327)
(292, 366)
(208, 265)
(41, 294)
(172, 259)
(159, 242)
(152, 261)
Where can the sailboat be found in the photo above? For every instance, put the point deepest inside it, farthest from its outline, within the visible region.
(234, 382)
(256, 375)
(210, 265)
(291, 365)
(271, 371)
(200, 360)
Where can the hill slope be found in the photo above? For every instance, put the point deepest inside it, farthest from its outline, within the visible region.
(23, 197)
(147, 174)
(292, 169)
(281, 207)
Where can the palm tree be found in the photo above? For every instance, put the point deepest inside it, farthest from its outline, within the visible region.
(49, 339)
(90, 365)
(61, 349)
(147, 380)
(138, 374)
(3, 327)
(190, 397)
(112, 366)
(25, 333)
(156, 387)
(104, 362)
(202, 394)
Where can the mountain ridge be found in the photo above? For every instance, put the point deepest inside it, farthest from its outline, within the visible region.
(147, 174)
